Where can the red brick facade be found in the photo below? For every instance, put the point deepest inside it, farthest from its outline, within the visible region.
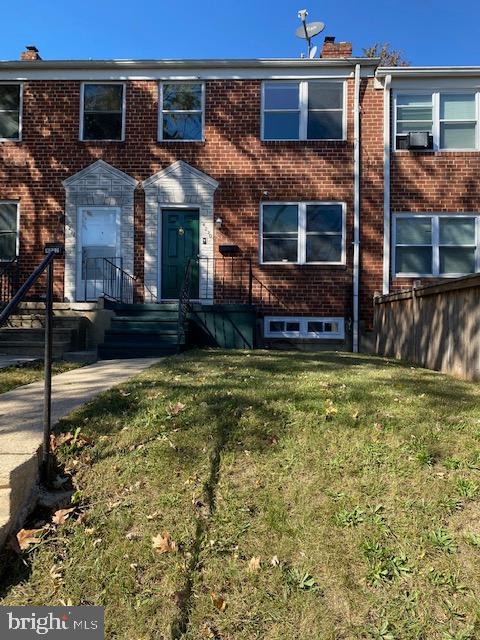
(248, 170)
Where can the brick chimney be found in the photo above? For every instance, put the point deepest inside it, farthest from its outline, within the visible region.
(31, 53)
(332, 49)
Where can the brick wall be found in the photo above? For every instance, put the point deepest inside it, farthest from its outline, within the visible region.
(233, 154)
(425, 182)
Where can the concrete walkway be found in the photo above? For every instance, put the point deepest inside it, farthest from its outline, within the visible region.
(21, 427)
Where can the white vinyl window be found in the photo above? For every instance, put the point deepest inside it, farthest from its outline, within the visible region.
(441, 245)
(302, 233)
(303, 110)
(102, 112)
(8, 231)
(450, 118)
(301, 327)
(10, 112)
(182, 112)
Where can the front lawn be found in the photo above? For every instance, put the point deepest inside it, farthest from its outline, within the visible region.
(309, 497)
(17, 376)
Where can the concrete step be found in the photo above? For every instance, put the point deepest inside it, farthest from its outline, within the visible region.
(157, 316)
(133, 309)
(33, 348)
(37, 321)
(23, 334)
(138, 328)
(110, 352)
(140, 339)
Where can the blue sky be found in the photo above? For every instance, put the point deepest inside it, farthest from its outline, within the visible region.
(427, 31)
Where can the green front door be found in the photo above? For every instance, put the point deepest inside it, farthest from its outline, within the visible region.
(179, 243)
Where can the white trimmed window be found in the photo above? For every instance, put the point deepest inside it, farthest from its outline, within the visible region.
(10, 111)
(300, 327)
(302, 233)
(303, 110)
(8, 231)
(103, 111)
(182, 111)
(441, 245)
(450, 118)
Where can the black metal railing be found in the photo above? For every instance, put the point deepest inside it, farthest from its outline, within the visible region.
(9, 280)
(232, 280)
(45, 266)
(184, 305)
(106, 277)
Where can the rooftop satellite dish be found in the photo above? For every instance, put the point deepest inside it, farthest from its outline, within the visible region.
(308, 30)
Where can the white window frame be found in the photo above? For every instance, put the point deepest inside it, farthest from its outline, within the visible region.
(303, 332)
(303, 109)
(17, 243)
(302, 233)
(124, 109)
(435, 244)
(20, 113)
(161, 111)
(436, 93)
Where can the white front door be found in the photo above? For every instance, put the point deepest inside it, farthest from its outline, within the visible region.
(98, 237)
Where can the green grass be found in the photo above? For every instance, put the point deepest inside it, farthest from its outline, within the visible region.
(353, 481)
(16, 376)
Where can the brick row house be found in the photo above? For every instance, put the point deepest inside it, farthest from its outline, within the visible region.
(296, 187)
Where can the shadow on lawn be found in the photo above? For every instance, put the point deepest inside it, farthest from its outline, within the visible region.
(225, 399)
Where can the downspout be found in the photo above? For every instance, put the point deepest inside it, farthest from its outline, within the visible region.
(386, 185)
(356, 209)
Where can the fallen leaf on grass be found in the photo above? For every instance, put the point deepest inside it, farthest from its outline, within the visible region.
(163, 543)
(152, 516)
(275, 561)
(56, 573)
(330, 409)
(254, 564)
(60, 516)
(26, 537)
(97, 541)
(175, 409)
(89, 531)
(218, 601)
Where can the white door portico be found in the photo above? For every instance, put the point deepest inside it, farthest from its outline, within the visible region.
(100, 191)
(179, 185)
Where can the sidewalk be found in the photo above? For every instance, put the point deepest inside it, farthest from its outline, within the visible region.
(21, 427)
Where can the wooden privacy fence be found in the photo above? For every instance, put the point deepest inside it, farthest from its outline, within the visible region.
(436, 326)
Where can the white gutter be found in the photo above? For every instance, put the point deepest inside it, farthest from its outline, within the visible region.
(386, 185)
(417, 72)
(356, 209)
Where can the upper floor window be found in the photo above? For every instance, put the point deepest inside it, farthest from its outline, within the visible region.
(8, 231)
(302, 232)
(103, 112)
(10, 111)
(450, 118)
(436, 245)
(181, 111)
(303, 110)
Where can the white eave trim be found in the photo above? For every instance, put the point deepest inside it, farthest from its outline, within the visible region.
(119, 70)
(422, 72)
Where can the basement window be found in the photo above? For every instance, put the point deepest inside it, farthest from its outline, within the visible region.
(303, 110)
(301, 327)
(10, 111)
(103, 112)
(8, 231)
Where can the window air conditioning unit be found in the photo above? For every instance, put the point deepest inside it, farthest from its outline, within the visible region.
(419, 140)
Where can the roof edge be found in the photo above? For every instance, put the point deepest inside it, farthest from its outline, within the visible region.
(210, 63)
(417, 72)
